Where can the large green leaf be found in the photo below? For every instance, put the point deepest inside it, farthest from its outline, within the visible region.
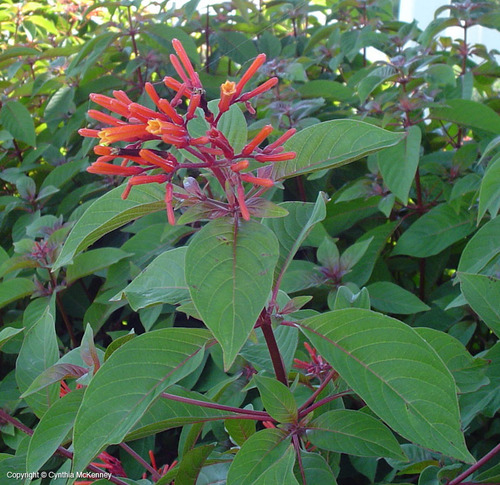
(266, 458)
(17, 120)
(326, 89)
(292, 230)
(399, 163)
(468, 113)
(162, 281)
(108, 213)
(229, 271)
(482, 248)
(129, 382)
(12, 290)
(53, 429)
(430, 234)
(397, 374)
(92, 261)
(483, 295)
(467, 371)
(39, 352)
(278, 400)
(355, 433)
(331, 144)
(316, 469)
(390, 298)
(237, 46)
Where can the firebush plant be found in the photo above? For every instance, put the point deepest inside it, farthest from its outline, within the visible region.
(236, 249)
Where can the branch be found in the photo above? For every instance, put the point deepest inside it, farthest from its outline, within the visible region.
(323, 401)
(274, 352)
(318, 391)
(474, 467)
(257, 415)
(60, 450)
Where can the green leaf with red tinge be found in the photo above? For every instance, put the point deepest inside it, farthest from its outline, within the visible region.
(108, 213)
(396, 372)
(145, 367)
(229, 271)
(278, 400)
(266, 458)
(332, 144)
(52, 429)
(38, 353)
(355, 433)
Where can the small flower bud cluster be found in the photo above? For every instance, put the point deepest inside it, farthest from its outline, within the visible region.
(134, 124)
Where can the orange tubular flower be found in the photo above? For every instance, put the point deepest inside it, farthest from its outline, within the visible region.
(123, 133)
(156, 160)
(87, 132)
(278, 157)
(259, 90)
(193, 104)
(282, 139)
(110, 169)
(104, 118)
(168, 202)
(256, 64)
(167, 108)
(261, 136)
(238, 167)
(179, 49)
(240, 195)
(257, 180)
(227, 92)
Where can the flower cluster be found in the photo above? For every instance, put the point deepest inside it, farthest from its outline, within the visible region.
(136, 124)
(316, 367)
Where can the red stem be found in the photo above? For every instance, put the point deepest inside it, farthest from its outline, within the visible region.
(196, 402)
(274, 352)
(318, 391)
(321, 402)
(60, 450)
(139, 459)
(476, 466)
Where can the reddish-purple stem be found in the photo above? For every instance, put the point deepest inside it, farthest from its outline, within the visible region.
(476, 466)
(60, 450)
(318, 391)
(139, 459)
(321, 402)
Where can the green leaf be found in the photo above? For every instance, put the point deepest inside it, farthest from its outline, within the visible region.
(191, 464)
(233, 125)
(483, 294)
(467, 371)
(390, 298)
(92, 261)
(438, 229)
(12, 290)
(332, 144)
(266, 458)
(482, 248)
(278, 400)
(354, 433)
(229, 271)
(237, 46)
(399, 163)
(326, 89)
(54, 374)
(162, 281)
(316, 469)
(108, 213)
(145, 367)
(239, 429)
(39, 352)
(397, 374)
(345, 298)
(292, 230)
(17, 120)
(489, 192)
(7, 333)
(52, 429)
(468, 113)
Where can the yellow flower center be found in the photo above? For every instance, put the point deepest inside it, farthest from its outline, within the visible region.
(228, 88)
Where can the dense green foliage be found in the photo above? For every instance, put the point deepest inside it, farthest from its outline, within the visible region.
(347, 333)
